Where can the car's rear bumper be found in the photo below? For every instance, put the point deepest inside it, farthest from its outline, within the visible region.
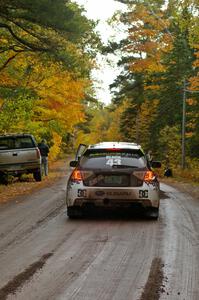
(113, 203)
(20, 167)
(145, 196)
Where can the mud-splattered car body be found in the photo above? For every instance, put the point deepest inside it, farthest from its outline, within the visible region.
(112, 175)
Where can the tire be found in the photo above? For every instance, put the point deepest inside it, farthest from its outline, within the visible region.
(38, 175)
(4, 178)
(153, 213)
(74, 212)
(20, 177)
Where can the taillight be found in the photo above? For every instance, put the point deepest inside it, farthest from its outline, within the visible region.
(149, 176)
(76, 175)
(113, 149)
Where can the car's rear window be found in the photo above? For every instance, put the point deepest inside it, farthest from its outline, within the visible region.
(100, 158)
(16, 142)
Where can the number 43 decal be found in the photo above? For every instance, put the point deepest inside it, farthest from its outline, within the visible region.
(113, 161)
(143, 194)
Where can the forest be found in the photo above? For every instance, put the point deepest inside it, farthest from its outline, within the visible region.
(47, 53)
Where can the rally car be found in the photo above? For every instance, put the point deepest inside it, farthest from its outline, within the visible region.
(112, 175)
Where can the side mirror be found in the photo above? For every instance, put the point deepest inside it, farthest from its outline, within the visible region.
(156, 164)
(73, 163)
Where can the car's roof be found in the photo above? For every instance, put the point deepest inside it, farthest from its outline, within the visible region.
(115, 145)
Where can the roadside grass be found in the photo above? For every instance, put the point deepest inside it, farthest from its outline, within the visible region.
(187, 175)
(186, 180)
(27, 184)
(190, 174)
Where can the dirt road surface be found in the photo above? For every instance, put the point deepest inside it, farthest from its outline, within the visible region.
(44, 255)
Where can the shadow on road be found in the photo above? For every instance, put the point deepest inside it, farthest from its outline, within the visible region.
(114, 214)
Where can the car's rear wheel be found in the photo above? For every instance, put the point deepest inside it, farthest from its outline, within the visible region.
(38, 175)
(4, 178)
(74, 212)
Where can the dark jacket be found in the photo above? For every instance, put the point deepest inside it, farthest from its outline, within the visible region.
(44, 149)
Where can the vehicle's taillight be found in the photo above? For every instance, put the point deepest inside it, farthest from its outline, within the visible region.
(76, 175)
(38, 153)
(149, 176)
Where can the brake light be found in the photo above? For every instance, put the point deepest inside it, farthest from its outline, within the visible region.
(113, 149)
(76, 175)
(149, 176)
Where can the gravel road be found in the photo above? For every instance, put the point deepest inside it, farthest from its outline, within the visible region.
(44, 255)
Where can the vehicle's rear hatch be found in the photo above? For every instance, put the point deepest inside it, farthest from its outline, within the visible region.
(113, 168)
(16, 150)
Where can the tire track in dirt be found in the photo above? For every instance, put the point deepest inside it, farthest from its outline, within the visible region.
(154, 286)
(18, 238)
(13, 285)
(19, 280)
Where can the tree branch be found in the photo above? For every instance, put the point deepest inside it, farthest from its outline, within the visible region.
(8, 60)
(22, 41)
(22, 27)
(13, 48)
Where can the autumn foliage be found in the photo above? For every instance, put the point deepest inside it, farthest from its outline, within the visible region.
(45, 69)
(159, 54)
(45, 76)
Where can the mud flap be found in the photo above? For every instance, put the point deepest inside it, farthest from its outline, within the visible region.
(74, 212)
(152, 213)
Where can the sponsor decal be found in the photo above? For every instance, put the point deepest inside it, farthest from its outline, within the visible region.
(99, 193)
(113, 160)
(122, 193)
(143, 194)
(81, 193)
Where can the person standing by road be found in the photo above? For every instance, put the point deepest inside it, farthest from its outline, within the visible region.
(44, 150)
(168, 171)
(149, 156)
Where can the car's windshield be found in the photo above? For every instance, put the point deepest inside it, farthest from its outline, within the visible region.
(16, 142)
(113, 158)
